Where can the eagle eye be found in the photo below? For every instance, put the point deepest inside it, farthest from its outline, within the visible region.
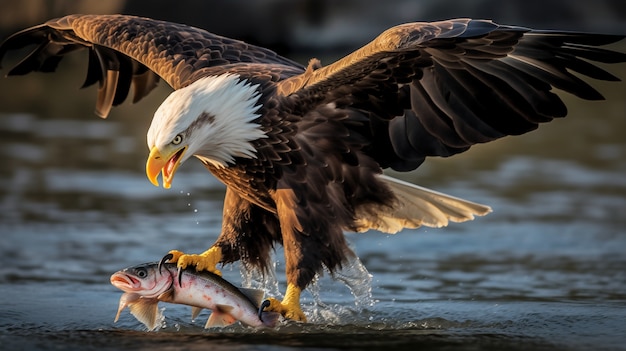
(177, 139)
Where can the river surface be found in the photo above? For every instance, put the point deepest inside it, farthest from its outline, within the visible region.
(546, 270)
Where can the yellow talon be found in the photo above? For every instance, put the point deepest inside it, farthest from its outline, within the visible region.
(206, 261)
(175, 256)
(290, 306)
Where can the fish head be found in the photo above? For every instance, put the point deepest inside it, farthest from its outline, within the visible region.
(145, 280)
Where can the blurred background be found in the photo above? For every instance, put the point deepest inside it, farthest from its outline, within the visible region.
(545, 268)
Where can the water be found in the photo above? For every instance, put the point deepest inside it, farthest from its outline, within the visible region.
(546, 270)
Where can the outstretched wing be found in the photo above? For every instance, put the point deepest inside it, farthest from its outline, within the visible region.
(435, 89)
(127, 51)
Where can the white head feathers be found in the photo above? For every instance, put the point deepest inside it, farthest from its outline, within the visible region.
(214, 116)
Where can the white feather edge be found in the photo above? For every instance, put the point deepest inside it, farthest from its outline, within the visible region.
(416, 206)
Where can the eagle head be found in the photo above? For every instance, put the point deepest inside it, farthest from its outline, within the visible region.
(213, 119)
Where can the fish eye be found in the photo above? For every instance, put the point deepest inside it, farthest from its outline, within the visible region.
(177, 139)
(141, 272)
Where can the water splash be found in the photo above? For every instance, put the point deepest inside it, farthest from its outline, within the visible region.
(322, 313)
(356, 277)
(352, 274)
(160, 320)
(254, 278)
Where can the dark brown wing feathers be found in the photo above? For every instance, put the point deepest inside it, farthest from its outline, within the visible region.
(130, 51)
(427, 89)
(435, 89)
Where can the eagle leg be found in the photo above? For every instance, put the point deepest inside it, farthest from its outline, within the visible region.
(206, 261)
(290, 306)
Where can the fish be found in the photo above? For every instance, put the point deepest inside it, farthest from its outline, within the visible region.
(145, 285)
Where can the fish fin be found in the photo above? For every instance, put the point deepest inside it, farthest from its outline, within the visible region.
(195, 311)
(270, 319)
(146, 311)
(219, 319)
(126, 300)
(255, 295)
(224, 308)
(167, 296)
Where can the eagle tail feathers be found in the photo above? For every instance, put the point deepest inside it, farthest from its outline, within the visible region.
(416, 206)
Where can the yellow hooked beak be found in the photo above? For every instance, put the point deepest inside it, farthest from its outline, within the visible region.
(167, 163)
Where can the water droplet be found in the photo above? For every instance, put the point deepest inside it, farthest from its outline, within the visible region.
(195, 210)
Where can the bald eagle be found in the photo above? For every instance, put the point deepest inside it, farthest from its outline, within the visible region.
(301, 149)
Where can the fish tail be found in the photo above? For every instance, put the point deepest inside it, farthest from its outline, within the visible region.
(270, 319)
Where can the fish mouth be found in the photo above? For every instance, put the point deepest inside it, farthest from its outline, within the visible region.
(125, 282)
